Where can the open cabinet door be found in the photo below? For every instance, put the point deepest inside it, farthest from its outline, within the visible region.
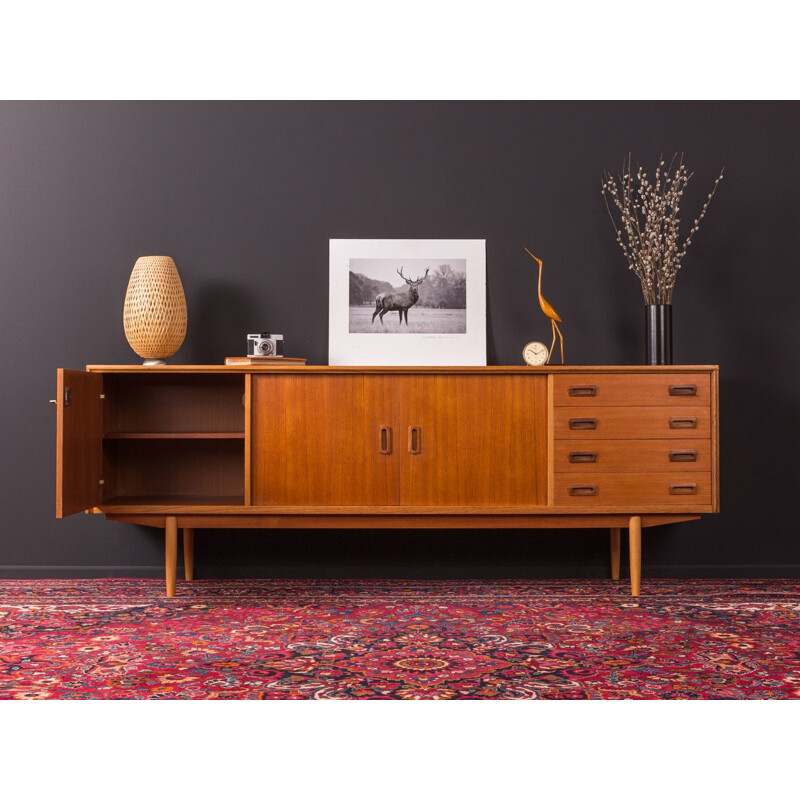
(79, 436)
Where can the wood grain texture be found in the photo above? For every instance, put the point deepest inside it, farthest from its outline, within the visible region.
(174, 403)
(372, 370)
(79, 442)
(635, 490)
(176, 503)
(192, 435)
(635, 554)
(205, 506)
(109, 487)
(171, 554)
(633, 422)
(480, 442)
(248, 439)
(541, 426)
(317, 440)
(407, 522)
(648, 389)
(615, 551)
(551, 455)
(191, 467)
(472, 447)
(715, 440)
(188, 553)
(632, 455)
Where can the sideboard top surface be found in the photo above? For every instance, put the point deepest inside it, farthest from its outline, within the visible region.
(327, 370)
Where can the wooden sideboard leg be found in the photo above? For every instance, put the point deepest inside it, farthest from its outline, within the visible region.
(171, 549)
(188, 553)
(635, 546)
(614, 554)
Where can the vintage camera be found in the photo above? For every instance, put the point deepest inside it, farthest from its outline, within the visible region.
(264, 344)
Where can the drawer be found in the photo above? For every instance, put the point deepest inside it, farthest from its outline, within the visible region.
(620, 422)
(651, 389)
(634, 489)
(632, 455)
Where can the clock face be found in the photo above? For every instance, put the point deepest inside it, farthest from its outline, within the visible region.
(535, 354)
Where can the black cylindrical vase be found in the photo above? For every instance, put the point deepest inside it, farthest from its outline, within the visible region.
(658, 334)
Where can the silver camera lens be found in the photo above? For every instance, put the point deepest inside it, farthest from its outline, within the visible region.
(266, 347)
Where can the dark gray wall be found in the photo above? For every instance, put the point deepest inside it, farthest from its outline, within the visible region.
(245, 197)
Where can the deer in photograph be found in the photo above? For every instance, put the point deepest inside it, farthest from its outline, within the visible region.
(398, 301)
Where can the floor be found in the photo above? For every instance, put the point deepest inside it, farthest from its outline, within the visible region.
(259, 639)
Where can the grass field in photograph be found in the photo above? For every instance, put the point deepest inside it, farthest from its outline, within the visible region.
(420, 320)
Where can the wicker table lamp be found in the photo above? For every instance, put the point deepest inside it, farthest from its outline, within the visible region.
(155, 309)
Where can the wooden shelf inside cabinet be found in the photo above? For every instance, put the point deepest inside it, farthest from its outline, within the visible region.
(174, 435)
(144, 502)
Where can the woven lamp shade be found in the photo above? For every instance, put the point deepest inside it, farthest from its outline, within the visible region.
(155, 309)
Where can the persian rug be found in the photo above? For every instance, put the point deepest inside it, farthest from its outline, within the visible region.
(114, 639)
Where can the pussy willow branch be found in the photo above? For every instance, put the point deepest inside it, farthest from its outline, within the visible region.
(647, 222)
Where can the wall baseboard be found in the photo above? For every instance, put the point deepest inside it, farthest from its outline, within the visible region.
(14, 571)
(722, 571)
(459, 572)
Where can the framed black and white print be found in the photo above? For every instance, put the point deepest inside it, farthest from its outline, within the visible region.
(412, 302)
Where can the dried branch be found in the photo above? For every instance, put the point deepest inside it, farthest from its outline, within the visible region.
(647, 222)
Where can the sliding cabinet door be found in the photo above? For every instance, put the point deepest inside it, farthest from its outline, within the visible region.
(323, 440)
(473, 440)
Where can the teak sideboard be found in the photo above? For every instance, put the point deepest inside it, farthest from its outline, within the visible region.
(388, 447)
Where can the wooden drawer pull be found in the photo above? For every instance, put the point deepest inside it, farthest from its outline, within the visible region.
(683, 422)
(685, 390)
(683, 488)
(586, 424)
(583, 491)
(415, 440)
(683, 455)
(583, 458)
(386, 440)
(582, 391)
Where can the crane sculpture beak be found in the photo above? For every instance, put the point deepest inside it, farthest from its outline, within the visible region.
(537, 260)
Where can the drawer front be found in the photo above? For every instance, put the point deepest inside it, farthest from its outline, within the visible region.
(635, 489)
(620, 422)
(678, 389)
(583, 456)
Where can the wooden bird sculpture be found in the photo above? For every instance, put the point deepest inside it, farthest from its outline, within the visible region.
(549, 311)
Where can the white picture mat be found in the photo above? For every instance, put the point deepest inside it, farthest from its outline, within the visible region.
(418, 349)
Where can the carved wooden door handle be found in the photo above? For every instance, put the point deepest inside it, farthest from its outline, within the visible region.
(415, 440)
(386, 440)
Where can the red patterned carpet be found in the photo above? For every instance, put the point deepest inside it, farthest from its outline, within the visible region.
(116, 639)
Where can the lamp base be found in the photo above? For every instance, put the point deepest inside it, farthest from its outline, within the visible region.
(154, 362)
